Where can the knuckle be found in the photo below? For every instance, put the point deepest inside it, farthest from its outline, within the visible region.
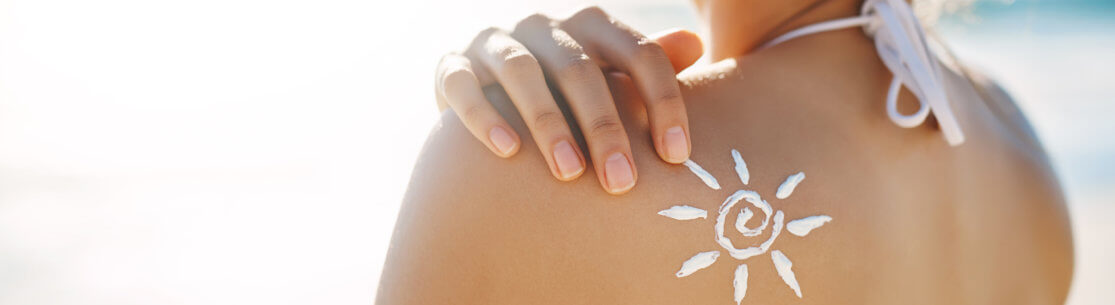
(590, 12)
(534, 20)
(605, 126)
(517, 63)
(649, 52)
(549, 121)
(566, 43)
(483, 36)
(489, 31)
(593, 10)
(455, 79)
(578, 67)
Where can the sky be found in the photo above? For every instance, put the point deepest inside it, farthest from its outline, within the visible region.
(249, 151)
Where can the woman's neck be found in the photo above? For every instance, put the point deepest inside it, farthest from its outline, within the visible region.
(744, 30)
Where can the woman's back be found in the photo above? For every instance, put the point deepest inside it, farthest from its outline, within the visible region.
(914, 221)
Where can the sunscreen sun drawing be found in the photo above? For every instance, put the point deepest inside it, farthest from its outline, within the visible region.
(782, 264)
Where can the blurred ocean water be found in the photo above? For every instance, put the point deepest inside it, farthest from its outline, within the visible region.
(252, 151)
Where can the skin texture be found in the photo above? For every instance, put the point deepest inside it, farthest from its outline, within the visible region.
(915, 221)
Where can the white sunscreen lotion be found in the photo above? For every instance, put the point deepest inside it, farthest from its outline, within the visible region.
(741, 167)
(782, 264)
(740, 283)
(683, 212)
(787, 187)
(741, 221)
(784, 268)
(707, 178)
(698, 262)
(758, 202)
(801, 227)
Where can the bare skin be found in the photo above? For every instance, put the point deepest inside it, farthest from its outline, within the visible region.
(571, 53)
(915, 220)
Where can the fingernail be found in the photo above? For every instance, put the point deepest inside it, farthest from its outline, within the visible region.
(617, 170)
(677, 148)
(502, 140)
(568, 164)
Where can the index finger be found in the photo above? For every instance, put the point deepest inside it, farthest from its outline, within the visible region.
(648, 66)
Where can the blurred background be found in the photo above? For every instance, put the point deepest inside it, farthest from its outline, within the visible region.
(250, 151)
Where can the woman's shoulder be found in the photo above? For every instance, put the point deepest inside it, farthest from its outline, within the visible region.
(476, 228)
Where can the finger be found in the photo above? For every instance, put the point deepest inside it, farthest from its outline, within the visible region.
(682, 47)
(518, 71)
(483, 76)
(651, 70)
(583, 85)
(457, 86)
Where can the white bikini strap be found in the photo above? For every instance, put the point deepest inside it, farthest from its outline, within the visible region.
(901, 45)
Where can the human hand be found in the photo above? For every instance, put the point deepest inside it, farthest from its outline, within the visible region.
(572, 53)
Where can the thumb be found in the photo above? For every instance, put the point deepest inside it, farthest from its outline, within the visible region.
(682, 47)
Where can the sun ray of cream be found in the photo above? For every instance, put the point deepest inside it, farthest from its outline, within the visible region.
(697, 262)
(707, 178)
(741, 167)
(801, 227)
(788, 186)
(784, 267)
(683, 212)
(740, 282)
